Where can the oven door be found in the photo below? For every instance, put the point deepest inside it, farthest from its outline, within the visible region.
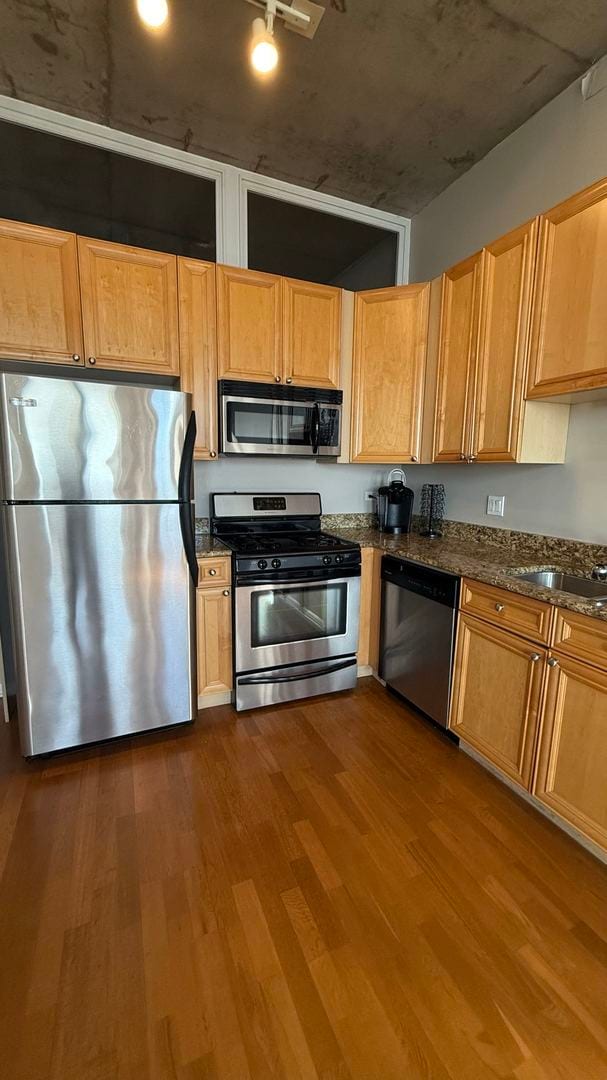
(252, 425)
(291, 622)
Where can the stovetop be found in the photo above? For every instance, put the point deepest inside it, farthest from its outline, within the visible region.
(258, 542)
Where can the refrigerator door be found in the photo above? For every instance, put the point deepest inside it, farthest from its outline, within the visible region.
(75, 440)
(103, 621)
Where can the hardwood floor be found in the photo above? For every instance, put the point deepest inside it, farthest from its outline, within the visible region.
(329, 889)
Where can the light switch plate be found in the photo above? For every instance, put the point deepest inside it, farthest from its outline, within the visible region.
(495, 505)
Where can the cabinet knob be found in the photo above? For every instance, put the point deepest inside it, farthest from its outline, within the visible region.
(212, 573)
(213, 453)
(277, 378)
(226, 592)
(76, 357)
(553, 662)
(499, 607)
(413, 457)
(463, 457)
(535, 656)
(289, 379)
(92, 360)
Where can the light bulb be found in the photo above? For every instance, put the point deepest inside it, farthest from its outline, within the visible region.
(264, 54)
(154, 13)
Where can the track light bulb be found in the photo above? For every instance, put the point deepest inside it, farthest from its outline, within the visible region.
(154, 13)
(264, 54)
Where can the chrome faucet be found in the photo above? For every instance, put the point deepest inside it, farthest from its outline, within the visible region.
(599, 572)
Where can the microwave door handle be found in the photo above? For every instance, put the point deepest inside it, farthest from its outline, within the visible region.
(315, 427)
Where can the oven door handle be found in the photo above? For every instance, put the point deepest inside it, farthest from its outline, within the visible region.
(255, 680)
(271, 582)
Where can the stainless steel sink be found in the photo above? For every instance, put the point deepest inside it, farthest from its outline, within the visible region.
(569, 583)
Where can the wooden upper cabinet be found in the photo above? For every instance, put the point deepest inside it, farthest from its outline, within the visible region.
(390, 340)
(39, 294)
(568, 350)
(197, 339)
(497, 696)
(570, 777)
(505, 307)
(129, 307)
(457, 346)
(249, 330)
(312, 333)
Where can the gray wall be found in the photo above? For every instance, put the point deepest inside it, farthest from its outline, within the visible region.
(560, 150)
(342, 487)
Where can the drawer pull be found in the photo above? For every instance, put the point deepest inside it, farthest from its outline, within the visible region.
(553, 662)
(499, 607)
(212, 573)
(535, 657)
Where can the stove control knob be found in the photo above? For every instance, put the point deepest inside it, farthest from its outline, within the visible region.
(276, 563)
(327, 560)
(339, 559)
(262, 564)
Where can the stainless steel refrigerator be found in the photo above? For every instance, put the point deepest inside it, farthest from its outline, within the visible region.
(99, 565)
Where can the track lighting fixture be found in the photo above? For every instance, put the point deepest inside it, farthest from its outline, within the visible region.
(302, 17)
(154, 13)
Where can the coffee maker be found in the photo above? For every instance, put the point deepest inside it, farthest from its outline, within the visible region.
(395, 504)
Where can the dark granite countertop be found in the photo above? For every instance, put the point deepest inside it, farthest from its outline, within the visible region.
(209, 547)
(491, 563)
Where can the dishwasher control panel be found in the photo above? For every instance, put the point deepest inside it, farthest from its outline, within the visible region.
(422, 580)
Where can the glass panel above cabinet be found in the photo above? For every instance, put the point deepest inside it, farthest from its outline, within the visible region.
(63, 184)
(313, 245)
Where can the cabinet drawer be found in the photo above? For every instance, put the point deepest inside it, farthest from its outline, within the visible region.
(581, 637)
(214, 572)
(520, 614)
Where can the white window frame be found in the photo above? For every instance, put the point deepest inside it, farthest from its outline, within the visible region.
(232, 185)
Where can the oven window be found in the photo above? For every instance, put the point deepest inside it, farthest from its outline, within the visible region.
(298, 613)
(268, 425)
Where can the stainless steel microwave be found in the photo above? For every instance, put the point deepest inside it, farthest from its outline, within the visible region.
(263, 418)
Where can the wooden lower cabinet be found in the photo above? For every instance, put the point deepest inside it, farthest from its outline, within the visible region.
(370, 608)
(497, 696)
(214, 633)
(571, 775)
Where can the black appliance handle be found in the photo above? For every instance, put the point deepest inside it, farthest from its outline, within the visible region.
(186, 521)
(315, 427)
(256, 680)
(184, 483)
(300, 577)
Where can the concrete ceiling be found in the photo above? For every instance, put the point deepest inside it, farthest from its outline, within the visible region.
(386, 106)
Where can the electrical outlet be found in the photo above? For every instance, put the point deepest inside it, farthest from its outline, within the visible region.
(495, 505)
(370, 494)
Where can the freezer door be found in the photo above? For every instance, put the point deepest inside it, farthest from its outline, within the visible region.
(103, 622)
(65, 440)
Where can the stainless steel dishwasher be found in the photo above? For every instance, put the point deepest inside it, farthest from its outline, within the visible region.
(418, 620)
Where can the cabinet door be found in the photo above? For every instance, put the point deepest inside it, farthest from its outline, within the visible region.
(370, 604)
(572, 764)
(390, 340)
(497, 692)
(214, 633)
(198, 348)
(312, 333)
(507, 282)
(570, 314)
(456, 360)
(249, 325)
(39, 294)
(129, 307)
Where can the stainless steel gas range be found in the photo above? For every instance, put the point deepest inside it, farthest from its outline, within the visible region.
(296, 597)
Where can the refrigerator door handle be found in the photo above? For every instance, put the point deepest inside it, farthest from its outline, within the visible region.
(189, 539)
(184, 483)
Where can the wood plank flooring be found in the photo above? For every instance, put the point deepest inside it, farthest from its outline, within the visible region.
(325, 890)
